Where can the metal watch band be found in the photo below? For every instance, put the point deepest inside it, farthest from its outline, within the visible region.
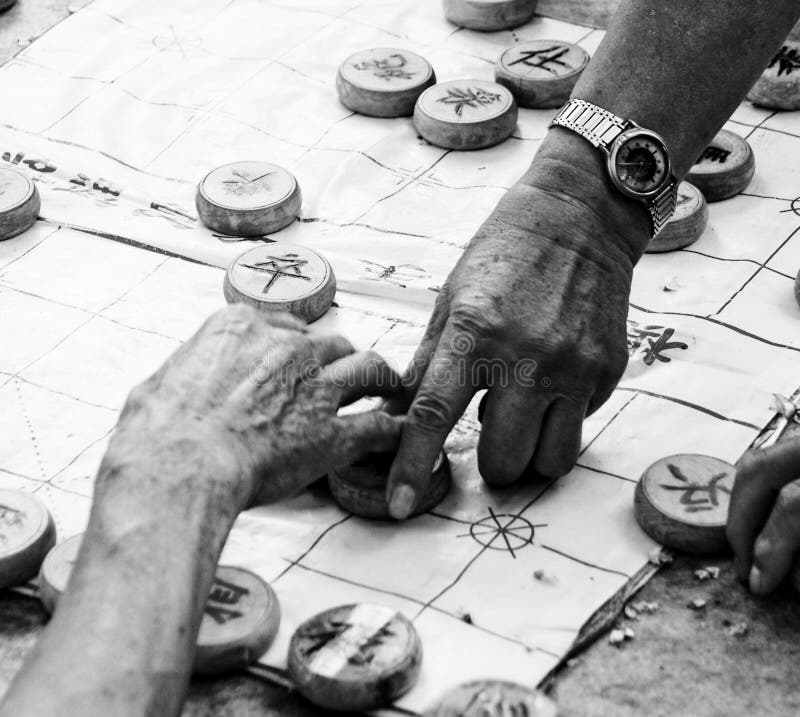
(600, 128)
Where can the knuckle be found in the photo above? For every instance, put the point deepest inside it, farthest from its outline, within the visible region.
(788, 501)
(430, 412)
(478, 321)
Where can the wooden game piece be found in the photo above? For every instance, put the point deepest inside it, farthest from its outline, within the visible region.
(282, 277)
(6, 4)
(779, 85)
(355, 657)
(248, 199)
(541, 73)
(797, 288)
(489, 15)
(19, 203)
(240, 621)
(465, 114)
(687, 224)
(27, 533)
(682, 502)
(725, 167)
(383, 82)
(361, 488)
(492, 698)
(56, 569)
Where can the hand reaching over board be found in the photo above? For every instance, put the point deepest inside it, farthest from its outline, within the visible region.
(764, 515)
(534, 311)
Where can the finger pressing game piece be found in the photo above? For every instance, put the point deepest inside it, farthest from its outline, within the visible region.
(465, 114)
(355, 657)
(725, 167)
(687, 224)
(383, 82)
(248, 199)
(779, 86)
(282, 277)
(19, 203)
(27, 533)
(682, 502)
(492, 698)
(489, 15)
(240, 621)
(56, 569)
(541, 73)
(361, 488)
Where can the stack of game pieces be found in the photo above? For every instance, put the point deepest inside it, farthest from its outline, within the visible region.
(27, 533)
(248, 199)
(355, 657)
(724, 168)
(541, 73)
(489, 15)
(779, 86)
(682, 502)
(282, 277)
(19, 203)
(361, 488)
(383, 82)
(465, 114)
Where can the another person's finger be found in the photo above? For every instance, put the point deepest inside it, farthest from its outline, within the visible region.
(363, 433)
(330, 348)
(559, 438)
(778, 542)
(512, 420)
(760, 474)
(364, 373)
(442, 397)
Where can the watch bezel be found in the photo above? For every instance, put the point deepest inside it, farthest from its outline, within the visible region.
(611, 161)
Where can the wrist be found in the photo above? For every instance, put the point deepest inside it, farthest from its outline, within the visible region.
(566, 163)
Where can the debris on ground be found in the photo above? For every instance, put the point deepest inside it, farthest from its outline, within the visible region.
(544, 577)
(659, 556)
(646, 607)
(697, 603)
(738, 629)
(710, 572)
(630, 612)
(464, 616)
(619, 635)
(672, 284)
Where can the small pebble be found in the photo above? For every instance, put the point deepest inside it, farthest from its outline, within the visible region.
(697, 604)
(545, 577)
(646, 607)
(710, 572)
(738, 629)
(659, 556)
(616, 637)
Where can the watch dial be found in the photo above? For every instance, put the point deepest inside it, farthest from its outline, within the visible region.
(641, 164)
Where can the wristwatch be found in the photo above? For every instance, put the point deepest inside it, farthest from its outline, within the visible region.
(636, 158)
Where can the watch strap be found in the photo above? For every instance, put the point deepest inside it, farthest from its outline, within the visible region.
(663, 205)
(596, 125)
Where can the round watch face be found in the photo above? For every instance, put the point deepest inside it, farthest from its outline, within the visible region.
(640, 163)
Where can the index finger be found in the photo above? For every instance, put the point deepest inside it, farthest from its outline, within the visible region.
(760, 475)
(443, 395)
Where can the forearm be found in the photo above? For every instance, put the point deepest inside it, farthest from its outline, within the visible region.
(122, 638)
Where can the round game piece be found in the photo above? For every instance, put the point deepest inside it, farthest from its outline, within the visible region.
(240, 621)
(797, 288)
(355, 657)
(19, 203)
(682, 502)
(687, 224)
(465, 114)
(383, 82)
(6, 4)
(725, 167)
(489, 15)
(282, 277)
(492, 698)
(361, 488)
(56, 569)
(248, 199)
(541, 73)
(779, 86)
(27, 532)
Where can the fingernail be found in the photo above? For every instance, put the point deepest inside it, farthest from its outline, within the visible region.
(402, 502)
(756, 581)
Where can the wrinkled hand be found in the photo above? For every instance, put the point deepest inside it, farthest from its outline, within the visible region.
(764, 515)
(257, 400)
(535, 311)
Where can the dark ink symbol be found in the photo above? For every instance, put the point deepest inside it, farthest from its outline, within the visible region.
(492, 703)
(787, 59)
(516, 532)
(683, 199)
(471, 97)
(364, 653)
(399, 274)
(223, 595)
(662, 343)
(543, 58)
(714, 154)
(244, 185)
(9, 518)
(288, 266)
(709, 493)
(388, 68)
(794, 207)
